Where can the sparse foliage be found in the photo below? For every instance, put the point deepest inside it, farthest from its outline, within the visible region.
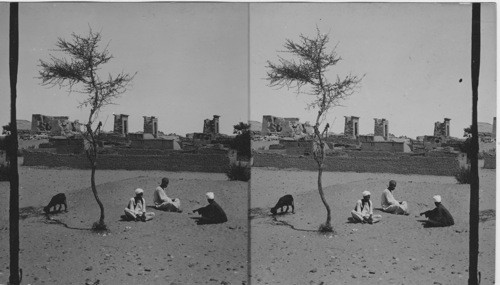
(79, 71)
(238, 172)
(241, 128)
(463, 175)
(4, 172)
(306, 72)
(242, 142)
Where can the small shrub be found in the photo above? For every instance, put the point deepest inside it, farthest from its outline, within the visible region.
(324, 228)
(99, 227)
(238, 172)
(4, 173)
(463, 175)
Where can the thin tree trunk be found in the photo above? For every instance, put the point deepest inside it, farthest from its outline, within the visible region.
(96, 196)
(474, 185)
(14, 277)
(322, 195)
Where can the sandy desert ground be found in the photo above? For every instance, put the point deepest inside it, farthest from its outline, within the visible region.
(398, 250)
(170, 249)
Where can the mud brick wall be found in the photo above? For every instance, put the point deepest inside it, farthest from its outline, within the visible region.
(383, 146)
(136, 151)
(441, 166)
(217, 163)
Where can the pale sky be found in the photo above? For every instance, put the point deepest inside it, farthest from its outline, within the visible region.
(195, 60)
(412, 55)
(191, 61)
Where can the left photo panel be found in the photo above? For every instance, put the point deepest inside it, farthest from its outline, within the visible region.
(133, 143)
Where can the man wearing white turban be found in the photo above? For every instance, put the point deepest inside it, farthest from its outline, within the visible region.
(136, 209)
(363, 211)
(390, 204)
(439, 216)
(212, 213)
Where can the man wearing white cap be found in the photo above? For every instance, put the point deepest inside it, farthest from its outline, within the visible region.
(363, 211)
(212, 213)
(136, 209)
(439, 216)
(390, 204)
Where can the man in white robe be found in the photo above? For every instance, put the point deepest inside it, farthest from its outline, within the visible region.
(390, 204)
(162, 201)
(363, 211)
(136, 208)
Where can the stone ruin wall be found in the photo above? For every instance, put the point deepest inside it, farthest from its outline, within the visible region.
(399, 164)
(54, 125)
(285, 127)
(151, 125)
(120, 125)
(442, 129)
(494, 130)
(214, 163)
(381, 128)
(211, 126)
(351, 127)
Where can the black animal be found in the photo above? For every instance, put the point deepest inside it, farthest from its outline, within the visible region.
(286, 200)
(57, 200)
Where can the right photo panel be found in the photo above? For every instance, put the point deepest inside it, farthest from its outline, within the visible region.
(364, 123)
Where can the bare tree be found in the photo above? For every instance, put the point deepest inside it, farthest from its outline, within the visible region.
(307, 73)
(79, 72)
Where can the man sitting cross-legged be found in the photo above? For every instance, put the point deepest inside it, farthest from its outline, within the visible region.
(212, 213)
(363, 211)
(136, 208)
(439, 216)
(390, 204)
(162, 201)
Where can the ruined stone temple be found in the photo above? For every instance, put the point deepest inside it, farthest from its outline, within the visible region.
(284, 127)
(351, 127)
(442, 129)
(53, 125)
(151, 125)
(211, 126)
(381, 128)
(494, 130)
(121, 124)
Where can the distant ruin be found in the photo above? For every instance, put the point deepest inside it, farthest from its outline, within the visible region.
(151, 126)
(211, 126)
(53, 125)
(286, 127)
(494, 130)
(442, 129)
(381, 128)
(351, 127)
(120, 126)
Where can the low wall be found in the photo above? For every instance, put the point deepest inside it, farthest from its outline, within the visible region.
(441, 166)
(217, 163)
(384, 146)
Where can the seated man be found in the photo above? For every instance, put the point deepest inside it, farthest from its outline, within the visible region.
(363, 212)
(391, 205)
(212, 213)
(439, 216)
(162, 201)
(136, 209)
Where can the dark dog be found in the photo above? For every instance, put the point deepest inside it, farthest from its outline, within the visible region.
(286, 200)
(57, 200)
